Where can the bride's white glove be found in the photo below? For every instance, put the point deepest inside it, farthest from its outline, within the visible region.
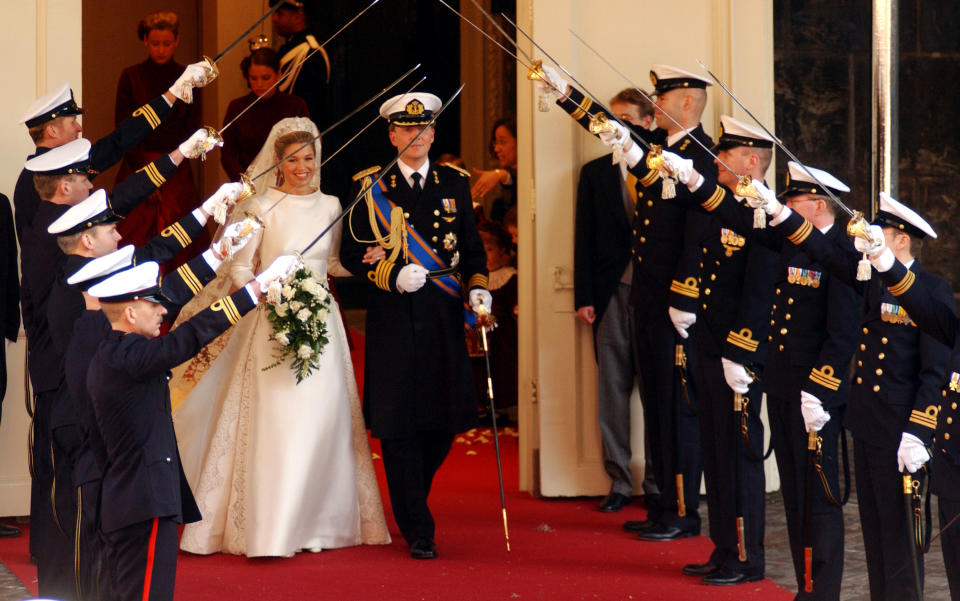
(411, 278)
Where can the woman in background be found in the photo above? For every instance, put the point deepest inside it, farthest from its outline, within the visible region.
(503, 147)
(243, 139)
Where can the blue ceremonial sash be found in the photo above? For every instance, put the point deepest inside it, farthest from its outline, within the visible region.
(421, 254)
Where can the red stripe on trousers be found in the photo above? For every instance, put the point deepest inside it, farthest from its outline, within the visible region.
(148, 573)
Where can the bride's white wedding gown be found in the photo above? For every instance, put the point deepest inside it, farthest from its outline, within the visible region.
(278, 467)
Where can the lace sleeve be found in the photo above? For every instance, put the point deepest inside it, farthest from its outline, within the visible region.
(244, 262)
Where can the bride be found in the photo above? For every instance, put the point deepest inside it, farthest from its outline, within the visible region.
(278, 467)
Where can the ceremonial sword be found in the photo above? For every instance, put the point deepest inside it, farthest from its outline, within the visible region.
(534, 71)
(214, 137)
(911, 502)
(383, 171)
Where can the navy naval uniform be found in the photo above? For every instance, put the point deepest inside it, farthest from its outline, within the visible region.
(39, 264)
(10, 301)
(899, 372)
(89, 330)
(311, 80)
(144, 491)
(53, 565)
(813, 334)
(939, 320)
(670, 417)
(418, 387)
(731, 293)
(65, 306)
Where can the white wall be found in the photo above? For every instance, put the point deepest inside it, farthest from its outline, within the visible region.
(42, 50)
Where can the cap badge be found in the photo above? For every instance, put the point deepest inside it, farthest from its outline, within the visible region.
(414, 107)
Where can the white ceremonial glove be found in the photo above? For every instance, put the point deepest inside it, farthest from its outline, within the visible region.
(618, 137)
(618, 140)
(278, 271)
(884, 260)
(912, 454)
(220, 201)
(770, 205)
(411, 278)
(232, 240)
(196, 75)
(681, 166)
(681, 320)
(814, 417)
(198, 144)
(479, 296)
(736, 376)
(875, 245)
(555, 82)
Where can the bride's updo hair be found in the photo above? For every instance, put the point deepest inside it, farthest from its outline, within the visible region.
(294, 137)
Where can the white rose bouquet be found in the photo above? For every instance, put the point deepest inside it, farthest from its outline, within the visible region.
(299, 322)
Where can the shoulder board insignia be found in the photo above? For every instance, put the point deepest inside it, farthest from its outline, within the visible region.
(312, 41)
(463, 172)
(362, 174)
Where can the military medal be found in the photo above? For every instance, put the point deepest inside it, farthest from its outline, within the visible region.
(955, 382)
(450, 241)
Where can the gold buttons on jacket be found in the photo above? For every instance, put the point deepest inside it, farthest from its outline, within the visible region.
(436, 225)
(707, 292)
(783, 330)
(787, 317)
(866, 331)
(406, 215)
(713, 276)
(436, 212)
(789, 301)
(946, 436)
(863, 347)
(949, 420)
(881, 356)
(883, 340)
(778, 291)
(642, 239)
(953, 405)
(859, 380)
(781, 347)
(435, 239)
(859, 363)
(876, 388)
(649, 202)
(646, 222)
(879, 372)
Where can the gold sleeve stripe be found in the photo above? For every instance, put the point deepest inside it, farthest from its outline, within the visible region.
(146, 111)
(802, 233)
(904, 284)
(824, 377)
(582, 109)
(688, 288)
(154, 174)
(478, 280)
(177, 231)
(743, 339)
(715, 199)
(926, 419)
(229, 309)
(190, 279)
(647, 180)
(359, 176)
(380, 276)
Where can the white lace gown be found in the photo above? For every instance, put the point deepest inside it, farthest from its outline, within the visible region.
(277, 467)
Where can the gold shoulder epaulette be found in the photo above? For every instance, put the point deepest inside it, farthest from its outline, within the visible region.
(359, 176)
(463, 172)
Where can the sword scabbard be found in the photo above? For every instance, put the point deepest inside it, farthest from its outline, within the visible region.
(741, 540)
(681, 503)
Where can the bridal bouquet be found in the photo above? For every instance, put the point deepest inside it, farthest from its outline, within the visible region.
(299, 322)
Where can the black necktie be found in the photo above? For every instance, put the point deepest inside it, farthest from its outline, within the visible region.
(416, 182)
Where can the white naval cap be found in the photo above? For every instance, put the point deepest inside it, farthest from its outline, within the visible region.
(800, 182)
(735, 133)
(668, 77)
(72, 157)
(99, 269)
(93, 210)
(59, 103)
(895, 214)
(416, 108)
(140, 282)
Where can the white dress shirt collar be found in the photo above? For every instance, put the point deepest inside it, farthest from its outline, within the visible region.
(408, 171)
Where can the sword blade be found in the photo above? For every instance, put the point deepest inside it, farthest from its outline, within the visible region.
(246, 32)
(383, 171)
(633, 136)
(342, 119)
(776, 140)
(496, 434)
(500, 29)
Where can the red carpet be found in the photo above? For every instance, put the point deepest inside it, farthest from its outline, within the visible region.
(560, 550)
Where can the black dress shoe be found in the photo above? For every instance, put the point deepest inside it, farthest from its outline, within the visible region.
(423, 548)
(728, 577)
(638, 526)
(7, 531)
(614, 502)
(701, 569)
(662, 532)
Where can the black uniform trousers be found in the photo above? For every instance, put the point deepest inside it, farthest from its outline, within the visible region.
(57, 571)
(143, 561)
(825, 530)
(886, 532)
(410, 464)
(88, 544)
(734, 475)
(671, 425)
(950, 542)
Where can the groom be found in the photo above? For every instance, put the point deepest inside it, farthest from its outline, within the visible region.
(418, 385)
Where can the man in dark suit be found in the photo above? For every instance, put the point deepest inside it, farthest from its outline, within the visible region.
(145, 493)
(418, 387)
(658, 225)
(9, 308)
(938, 319)
(606, 197)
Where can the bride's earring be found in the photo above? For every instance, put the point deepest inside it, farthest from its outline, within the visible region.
(279, 178)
